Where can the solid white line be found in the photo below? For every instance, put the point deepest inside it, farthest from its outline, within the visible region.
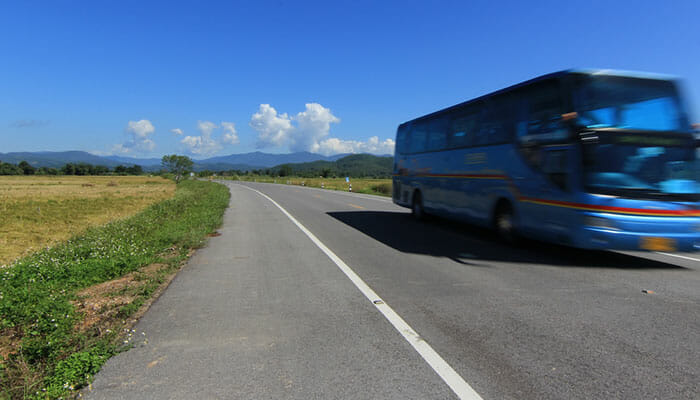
(676, 255)
(458, 385)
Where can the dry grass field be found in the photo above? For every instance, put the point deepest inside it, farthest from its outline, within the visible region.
(38, 211)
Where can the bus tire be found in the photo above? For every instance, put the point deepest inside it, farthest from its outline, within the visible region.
(417, 209)
(503, 222)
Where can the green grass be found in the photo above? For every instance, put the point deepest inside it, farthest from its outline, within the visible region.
(52, 358)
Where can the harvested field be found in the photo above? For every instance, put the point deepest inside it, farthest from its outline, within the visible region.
(38, 211)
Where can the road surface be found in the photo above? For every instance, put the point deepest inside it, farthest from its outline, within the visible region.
(275, 307)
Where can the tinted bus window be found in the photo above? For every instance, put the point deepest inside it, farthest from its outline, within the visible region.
(538, 108)
(402, 139)
(463, 128)
(419, 136)
(437, 134)
(495, 126)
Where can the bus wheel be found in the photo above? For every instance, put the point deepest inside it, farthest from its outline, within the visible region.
(503, 222)
(417, 207)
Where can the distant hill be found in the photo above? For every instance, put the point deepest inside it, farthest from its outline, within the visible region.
(58, 159)
(266, 160)
(241, 162)
(136, 161)
(356, 165)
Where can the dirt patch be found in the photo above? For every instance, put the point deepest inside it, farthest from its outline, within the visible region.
(9, 342)
(100, 304)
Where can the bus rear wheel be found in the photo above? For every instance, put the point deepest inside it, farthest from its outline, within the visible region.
(503, 223)
(417, 207)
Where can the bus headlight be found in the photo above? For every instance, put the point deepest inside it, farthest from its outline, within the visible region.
(602, 223)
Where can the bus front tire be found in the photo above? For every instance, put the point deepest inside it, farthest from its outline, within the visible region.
(417, 209)
(503, 223)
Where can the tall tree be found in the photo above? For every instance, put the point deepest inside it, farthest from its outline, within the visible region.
(27, 168)
(177, 165)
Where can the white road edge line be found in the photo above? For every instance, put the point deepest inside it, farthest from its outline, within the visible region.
(458, 385)
(676, 255)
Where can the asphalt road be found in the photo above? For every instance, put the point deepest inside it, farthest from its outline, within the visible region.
(263, 312)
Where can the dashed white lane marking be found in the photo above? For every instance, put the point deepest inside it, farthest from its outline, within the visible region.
(458, 385)
(679, 256)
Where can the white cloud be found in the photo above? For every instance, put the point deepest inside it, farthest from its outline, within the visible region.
(313, 124)
(273, 129)
(202, 145)
(230, 135)
(177, 131)
(138, 140)
(309, 131)
(338, 146)
(141, 129)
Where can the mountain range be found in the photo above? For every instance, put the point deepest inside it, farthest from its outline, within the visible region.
(243, 162)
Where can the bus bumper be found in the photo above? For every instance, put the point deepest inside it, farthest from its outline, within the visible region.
(602, 238)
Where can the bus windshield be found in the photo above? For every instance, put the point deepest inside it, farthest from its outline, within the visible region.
(642, 171)
(604, 101)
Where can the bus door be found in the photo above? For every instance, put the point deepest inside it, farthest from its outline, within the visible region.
(546, 194)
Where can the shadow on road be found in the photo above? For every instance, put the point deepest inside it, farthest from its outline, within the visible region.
(466, 244)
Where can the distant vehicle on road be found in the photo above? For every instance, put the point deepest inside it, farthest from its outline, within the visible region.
(591, 159)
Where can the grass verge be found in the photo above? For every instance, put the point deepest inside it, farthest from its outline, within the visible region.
(64, 310)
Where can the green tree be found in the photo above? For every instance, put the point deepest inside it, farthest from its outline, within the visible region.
(286, 170)
(134, 170)
(100, 170)
(68, 169)
(26, 168)
(177, 165)
(10, 169)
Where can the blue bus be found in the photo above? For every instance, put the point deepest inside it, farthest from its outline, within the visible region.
(592, 159)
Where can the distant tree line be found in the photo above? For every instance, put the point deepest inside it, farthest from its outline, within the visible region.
(24, 168)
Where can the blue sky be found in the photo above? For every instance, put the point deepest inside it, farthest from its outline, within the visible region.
(143, 79)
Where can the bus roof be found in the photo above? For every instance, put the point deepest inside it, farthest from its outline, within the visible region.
(608, 72)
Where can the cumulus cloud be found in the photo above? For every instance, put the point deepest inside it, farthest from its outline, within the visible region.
(338, 146)
(309, 130)
(137, 141)
(203, 144)
(273, 129)
(300, 133)
(313, 124)
(177, 131)
(230, 135)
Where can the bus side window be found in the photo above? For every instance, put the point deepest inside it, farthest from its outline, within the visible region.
(437, 134)
(538, 108)
(463, 129)
(494, 124)
(419, 136)
(402, 139)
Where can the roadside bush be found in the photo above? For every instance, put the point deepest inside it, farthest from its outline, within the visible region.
(383, 188)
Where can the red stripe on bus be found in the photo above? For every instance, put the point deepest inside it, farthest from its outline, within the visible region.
(616, 210)
(566, 204)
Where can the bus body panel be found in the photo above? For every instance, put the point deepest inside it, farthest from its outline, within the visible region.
(542, 176)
